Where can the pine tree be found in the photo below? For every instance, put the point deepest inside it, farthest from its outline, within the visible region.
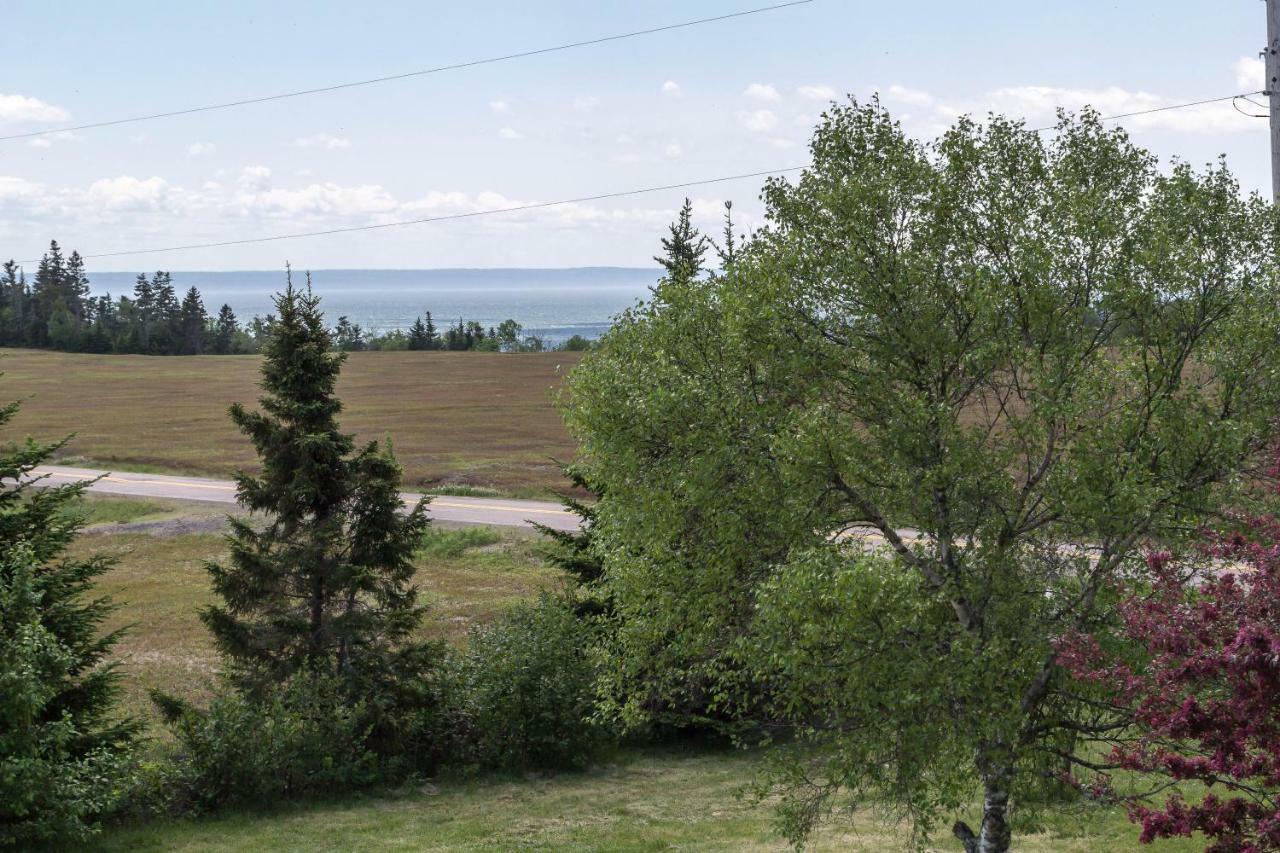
(418, 335)
(193, 322)
(573, 551)
(76, 289)
(59, 729)
(727, 249)
(325, 583)
(433, 339)
(683, 251)
(224, 331)
(144, 311)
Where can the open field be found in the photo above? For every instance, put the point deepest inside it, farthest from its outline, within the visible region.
(458, 419)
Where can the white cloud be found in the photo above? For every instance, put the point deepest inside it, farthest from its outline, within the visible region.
(672, 89)
(200, 149)
(623, 139)
(816, 93)
(758, 120)
(16, 108)
(762, 91)
(129, 193)
(499, 106)
(19, 189)
(1251, 73)
(1038, 105)
(672, 149)
(912, 97)
(254, 179)
(510, 133)
(585, 102)
(322, 140)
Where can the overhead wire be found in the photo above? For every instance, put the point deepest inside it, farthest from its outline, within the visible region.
(524, 54)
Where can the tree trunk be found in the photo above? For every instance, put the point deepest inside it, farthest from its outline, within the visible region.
(994, 835)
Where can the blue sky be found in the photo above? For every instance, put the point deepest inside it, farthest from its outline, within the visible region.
(720, 99)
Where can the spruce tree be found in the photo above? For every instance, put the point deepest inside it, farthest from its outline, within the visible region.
(192, 323)
(418, 335)
(433, 338)
(224, 331)
(60, 732)
(325, 583)
(684, 249)
(573, 551)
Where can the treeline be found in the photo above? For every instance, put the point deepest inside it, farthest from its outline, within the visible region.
(55, 310)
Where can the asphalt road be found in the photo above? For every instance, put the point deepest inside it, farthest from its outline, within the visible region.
(495, 511)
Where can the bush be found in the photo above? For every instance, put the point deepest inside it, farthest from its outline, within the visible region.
(301, 739)
(526, 688)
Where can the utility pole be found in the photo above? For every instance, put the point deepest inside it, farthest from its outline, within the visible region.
(1273, 91)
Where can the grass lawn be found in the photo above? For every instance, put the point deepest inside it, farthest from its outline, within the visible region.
(458, 419)
(659, 799)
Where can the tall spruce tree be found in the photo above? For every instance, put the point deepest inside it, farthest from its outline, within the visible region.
(418, 335)
(326, 583)
(683, 251)
(224, 331)
(433, 337)
(60, 732)
(193, 322)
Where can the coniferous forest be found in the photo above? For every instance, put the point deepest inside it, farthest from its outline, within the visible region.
(55, 309)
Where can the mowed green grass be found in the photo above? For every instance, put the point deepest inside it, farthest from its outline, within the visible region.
(457, 419)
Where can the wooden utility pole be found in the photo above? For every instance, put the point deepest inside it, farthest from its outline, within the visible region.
(1273, 91)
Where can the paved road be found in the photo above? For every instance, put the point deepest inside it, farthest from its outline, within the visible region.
(496, 511)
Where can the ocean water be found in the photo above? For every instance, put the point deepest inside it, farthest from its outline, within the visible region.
(554, 303)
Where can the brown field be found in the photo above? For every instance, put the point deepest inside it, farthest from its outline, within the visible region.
(456, 418)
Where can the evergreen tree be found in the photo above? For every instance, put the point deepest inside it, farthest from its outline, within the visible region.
(418, 335)
(76, 289)
(224, 331)
(348, 336)
(433, 338)
(193, 322)
(573, 552)
(684, 249)
(60, 734)
(325, 583)
(727, 249)
(144, 311)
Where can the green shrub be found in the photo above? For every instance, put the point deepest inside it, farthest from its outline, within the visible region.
(526, 690)
(299, 740)
(441, 542)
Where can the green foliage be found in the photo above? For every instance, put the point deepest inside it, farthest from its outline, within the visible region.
(1039, 352)
(51, 783)
(441, 542)
(525, 690)
(298, 739)
(325, 584)
(62, 741)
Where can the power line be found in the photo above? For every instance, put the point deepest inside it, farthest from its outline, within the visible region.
(421, 73)
(443, 218)
(1137, 113)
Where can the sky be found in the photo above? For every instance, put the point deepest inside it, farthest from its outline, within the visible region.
(719, 99)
